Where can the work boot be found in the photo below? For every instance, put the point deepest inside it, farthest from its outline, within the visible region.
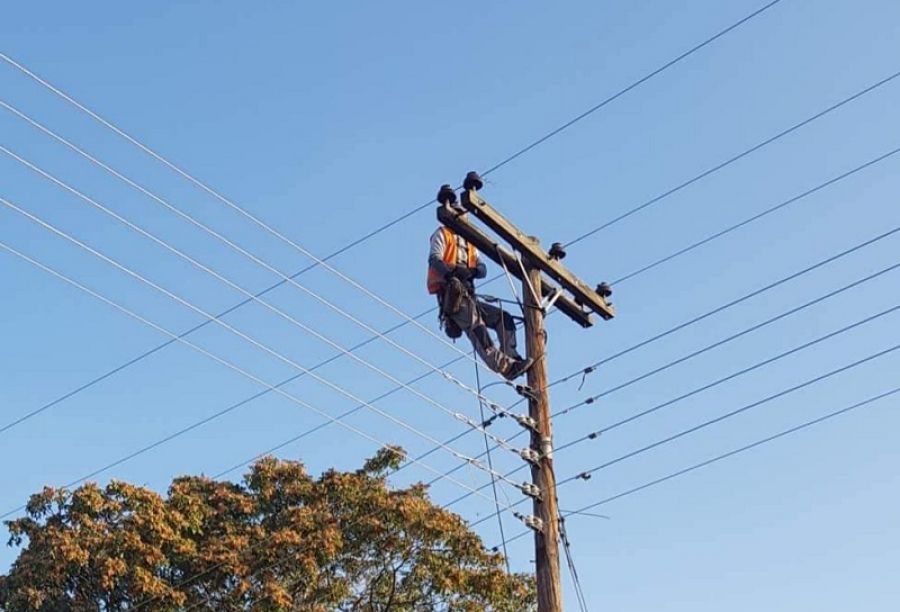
(517, 368)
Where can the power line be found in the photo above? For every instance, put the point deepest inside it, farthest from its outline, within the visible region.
(243, 336)
(358, 241)
(745, 297)
(696, 391)
(723, 456)
(735, 412)
(134, 227)
(212, 356)
(587, 473)
(730, 161)
(727, 339)
(591, 368)
(490, 462)
(622, 92)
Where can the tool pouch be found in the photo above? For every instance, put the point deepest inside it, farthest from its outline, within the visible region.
(454, 294)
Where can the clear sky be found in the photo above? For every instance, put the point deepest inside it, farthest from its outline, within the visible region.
(329, 119)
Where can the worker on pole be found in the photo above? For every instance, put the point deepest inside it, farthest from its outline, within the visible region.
(453, 265)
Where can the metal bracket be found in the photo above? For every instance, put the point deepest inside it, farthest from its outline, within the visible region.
(550, 300)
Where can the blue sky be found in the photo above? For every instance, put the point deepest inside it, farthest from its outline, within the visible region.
(327, 122)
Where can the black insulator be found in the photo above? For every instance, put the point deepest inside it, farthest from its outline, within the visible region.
(446, 195)
(557, 251)
(473, 181)
(604, 290)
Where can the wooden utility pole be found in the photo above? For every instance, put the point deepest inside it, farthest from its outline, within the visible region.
(546, 541)
(529, 265)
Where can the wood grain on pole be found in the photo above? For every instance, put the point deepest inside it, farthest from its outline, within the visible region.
(546, 543)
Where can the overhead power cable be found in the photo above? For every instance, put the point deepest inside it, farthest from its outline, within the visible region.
(706, 387)
(716, 310)
(723, 456)
(250, 340)
(218, 276)
(637, 83)
(212, 356)
(587, 473)
(364, 238)
(728, 162)
(224, 313)
(735, 412)
(585, 371)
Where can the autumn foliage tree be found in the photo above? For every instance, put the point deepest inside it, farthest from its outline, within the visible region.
(280, 540)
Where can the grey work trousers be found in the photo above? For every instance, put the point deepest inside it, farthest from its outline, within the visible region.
(474, 317)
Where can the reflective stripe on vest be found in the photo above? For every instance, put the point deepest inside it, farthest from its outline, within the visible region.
(435, 278)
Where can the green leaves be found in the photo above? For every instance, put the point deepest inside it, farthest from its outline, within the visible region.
(280, 540)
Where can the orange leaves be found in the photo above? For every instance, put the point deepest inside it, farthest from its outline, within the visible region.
(280, 540)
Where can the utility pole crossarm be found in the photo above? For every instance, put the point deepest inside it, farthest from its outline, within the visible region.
(503, 257)
(582, 293)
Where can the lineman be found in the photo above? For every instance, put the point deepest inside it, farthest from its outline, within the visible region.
(453, 264)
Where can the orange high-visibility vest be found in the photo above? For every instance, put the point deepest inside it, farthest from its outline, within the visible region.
(435, 278)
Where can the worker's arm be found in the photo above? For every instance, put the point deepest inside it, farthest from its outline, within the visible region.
(480, 270)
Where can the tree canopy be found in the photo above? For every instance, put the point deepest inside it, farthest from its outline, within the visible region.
(279, 540)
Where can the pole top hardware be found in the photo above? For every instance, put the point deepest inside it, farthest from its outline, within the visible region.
(446, 195)
(557, 251)
(473, 181)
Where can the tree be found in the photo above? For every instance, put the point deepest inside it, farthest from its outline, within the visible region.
(279, 540)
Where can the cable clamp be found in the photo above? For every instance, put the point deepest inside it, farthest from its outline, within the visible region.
(526, 421)
(530, 455)
(531, 521)
(531, 490)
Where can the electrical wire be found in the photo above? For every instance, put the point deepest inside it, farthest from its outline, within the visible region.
(813, 302)
(365, 237)
(809, 382)
(717, 458)
(224, 313)
(729, 161)
(212, 356)
(735, 412)
(696, 391)
(622, 92)
(490, 462)
(218, 276)
(570, 562)
(719, 309)
(474, 462)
